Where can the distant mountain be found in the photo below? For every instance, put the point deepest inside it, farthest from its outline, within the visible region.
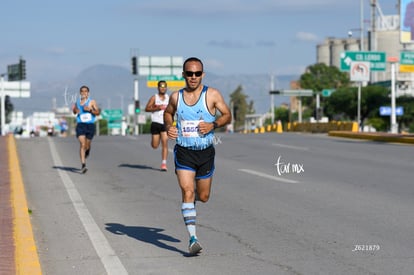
(112, 87)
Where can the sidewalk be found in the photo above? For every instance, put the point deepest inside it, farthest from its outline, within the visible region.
(18, 249)
(7, 248)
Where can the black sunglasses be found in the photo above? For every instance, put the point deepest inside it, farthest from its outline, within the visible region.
(190, 73)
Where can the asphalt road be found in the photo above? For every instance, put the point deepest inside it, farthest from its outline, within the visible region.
(281, 204)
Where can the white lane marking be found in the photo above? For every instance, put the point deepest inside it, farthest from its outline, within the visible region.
(290, 146)
(263, 175)
(102, 247)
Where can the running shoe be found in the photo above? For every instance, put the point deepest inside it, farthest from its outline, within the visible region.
(163, 167)
(83, 169)
(194, 247)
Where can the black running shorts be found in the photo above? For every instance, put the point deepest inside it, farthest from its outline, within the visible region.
(199, 161)
(85, 129)
(157, 128)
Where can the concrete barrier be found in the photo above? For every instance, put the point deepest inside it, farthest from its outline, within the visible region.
(377, 136)
(322, 127)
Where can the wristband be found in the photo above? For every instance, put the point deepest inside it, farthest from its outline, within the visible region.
(215, 125)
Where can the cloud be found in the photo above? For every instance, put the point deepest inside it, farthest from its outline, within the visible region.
(228, 44)
(306, 36)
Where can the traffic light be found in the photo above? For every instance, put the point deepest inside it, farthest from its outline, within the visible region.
(22, 69)
(137, 108)
(134, 65)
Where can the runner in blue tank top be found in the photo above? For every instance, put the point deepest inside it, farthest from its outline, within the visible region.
(86, 110)
(195, 106)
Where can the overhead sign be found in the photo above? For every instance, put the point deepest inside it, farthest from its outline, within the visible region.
(293, 92)
(160, 65)
(360, 71)
(16, 88)
(377, 60)
(386, 111)
(173, 81)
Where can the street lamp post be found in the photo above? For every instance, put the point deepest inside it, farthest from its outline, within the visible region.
(361, 48)
(136, 98)
(394, 125)
(362, 26)
(135, 73)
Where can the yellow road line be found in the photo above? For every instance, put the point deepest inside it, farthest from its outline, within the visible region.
(27, 260)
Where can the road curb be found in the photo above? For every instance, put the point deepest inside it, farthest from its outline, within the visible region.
(381, 137)
(26, 257)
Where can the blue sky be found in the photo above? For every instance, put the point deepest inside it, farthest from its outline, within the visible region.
(59, 39)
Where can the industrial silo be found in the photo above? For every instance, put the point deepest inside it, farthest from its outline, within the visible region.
(323, 52)
(337, 47)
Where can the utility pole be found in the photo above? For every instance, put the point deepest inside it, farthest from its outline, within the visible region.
(394, 125)
(361, 48)
(134, 61)
(373, 34)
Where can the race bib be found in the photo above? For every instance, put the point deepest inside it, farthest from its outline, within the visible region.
(86, 117)
(189, 128)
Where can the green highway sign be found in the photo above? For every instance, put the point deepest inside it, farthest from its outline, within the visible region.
(406, 62)
(114, 117)
(407, 58)
(112, 114)
(165, 77)
(176, 81)
(114, 125)
(377, 59)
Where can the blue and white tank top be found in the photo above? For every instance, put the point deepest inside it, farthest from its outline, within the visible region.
(158, 116)
(84, 116)
(188, 118)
